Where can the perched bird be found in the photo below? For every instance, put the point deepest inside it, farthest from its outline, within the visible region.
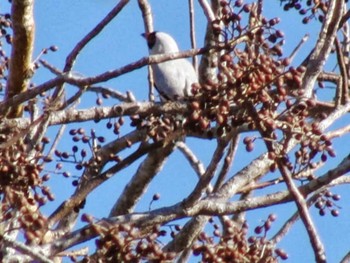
(173, 79)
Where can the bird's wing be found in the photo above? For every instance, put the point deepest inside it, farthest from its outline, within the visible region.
(173, 79)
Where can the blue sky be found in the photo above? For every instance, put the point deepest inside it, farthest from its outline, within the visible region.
(63, 23)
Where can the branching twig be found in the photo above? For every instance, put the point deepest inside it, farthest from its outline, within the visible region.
(212, 205)
(208, 175)
(227, 162)
(104, 153)
(323, 46)
(93, 33)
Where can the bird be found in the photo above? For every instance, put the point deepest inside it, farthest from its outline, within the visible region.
(173, 79)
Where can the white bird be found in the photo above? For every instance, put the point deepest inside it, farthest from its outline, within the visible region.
(173, 79)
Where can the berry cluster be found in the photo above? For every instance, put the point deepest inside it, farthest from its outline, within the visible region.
(325, 201)
(250, 74)
(5, 27)
(158, 126)
(256, 86)
(78, 156)
(234, 245)
(310, 9)
(22, 189)
(127, 243)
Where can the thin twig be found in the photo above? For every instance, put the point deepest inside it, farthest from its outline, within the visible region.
(193, 33)
(110, 92)
(343, 89)
(146, 12)
(227, 162)
(56, 141)
(290, 222)
(196, 164)
(93, 33)
(208, 175)
(207, 10)
(297, 48)
(104, 154)
(338, 132)
(315, 240)
(154, 59)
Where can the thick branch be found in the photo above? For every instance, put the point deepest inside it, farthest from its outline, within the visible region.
(140, 181)
(323, 47)
(34, 253)
(20, 70)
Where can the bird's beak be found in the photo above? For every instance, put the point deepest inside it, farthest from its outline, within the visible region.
(145, 35)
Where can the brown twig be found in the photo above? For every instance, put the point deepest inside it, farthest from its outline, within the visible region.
(212, 205)
(290, 222)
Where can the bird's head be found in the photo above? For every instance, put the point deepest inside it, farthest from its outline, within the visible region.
(160, 43)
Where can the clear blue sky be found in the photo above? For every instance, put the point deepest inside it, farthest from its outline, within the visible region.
(63, 23)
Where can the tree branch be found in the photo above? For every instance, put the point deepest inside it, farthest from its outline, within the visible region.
(20, 68)
(140, 181)
(323, 46)
(34, 253)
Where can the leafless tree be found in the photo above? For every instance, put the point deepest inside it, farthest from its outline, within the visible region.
(249, 91)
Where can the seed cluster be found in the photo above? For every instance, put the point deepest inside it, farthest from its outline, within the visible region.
(253, 79)
(22, 189)
(310, 9)
(233, 245)
(158, 126)
(5, 34)
(326, 202)
(127, 243)
(256, 86)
